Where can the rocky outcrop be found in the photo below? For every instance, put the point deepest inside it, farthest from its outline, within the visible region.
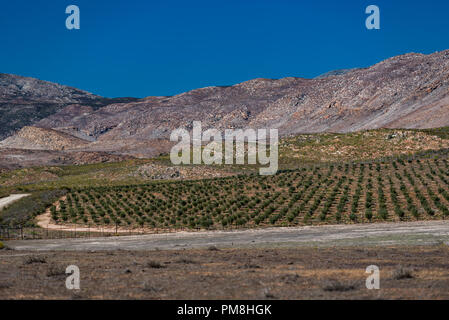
(35, 138)
(19, 158)
(24, 101)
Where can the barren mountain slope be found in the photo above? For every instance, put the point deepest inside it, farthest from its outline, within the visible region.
(408, 91)
(35, 138)
(24, 101)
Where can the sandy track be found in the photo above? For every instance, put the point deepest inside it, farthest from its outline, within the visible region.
(406, 233)
(8, 200)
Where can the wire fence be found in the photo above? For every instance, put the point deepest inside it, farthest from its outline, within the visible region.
(35, 233)
(30, 233)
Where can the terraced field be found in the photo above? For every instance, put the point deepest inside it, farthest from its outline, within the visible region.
(327, 194)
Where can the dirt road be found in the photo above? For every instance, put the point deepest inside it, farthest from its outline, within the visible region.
(406, 233)
(8, 200)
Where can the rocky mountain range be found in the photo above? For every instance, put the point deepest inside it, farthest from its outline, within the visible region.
(407, 91)
(24, 101)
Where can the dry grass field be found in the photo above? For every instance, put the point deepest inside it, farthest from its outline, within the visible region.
(301, 273)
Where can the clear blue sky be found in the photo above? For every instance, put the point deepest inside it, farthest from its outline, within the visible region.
(143, 47)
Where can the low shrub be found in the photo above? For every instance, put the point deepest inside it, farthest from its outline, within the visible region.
(23, 211)
(56, 270)
(155, 265)
(337, 286)
(402, 273)
(35, 259)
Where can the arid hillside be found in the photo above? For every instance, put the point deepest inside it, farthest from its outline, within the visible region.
(408, 91)
(24, 101)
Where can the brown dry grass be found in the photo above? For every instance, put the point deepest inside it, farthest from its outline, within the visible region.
(303, 273)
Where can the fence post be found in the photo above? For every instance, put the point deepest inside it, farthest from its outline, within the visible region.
(21, 232)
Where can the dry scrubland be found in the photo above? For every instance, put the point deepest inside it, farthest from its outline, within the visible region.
(362, 145)
(303, 273)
